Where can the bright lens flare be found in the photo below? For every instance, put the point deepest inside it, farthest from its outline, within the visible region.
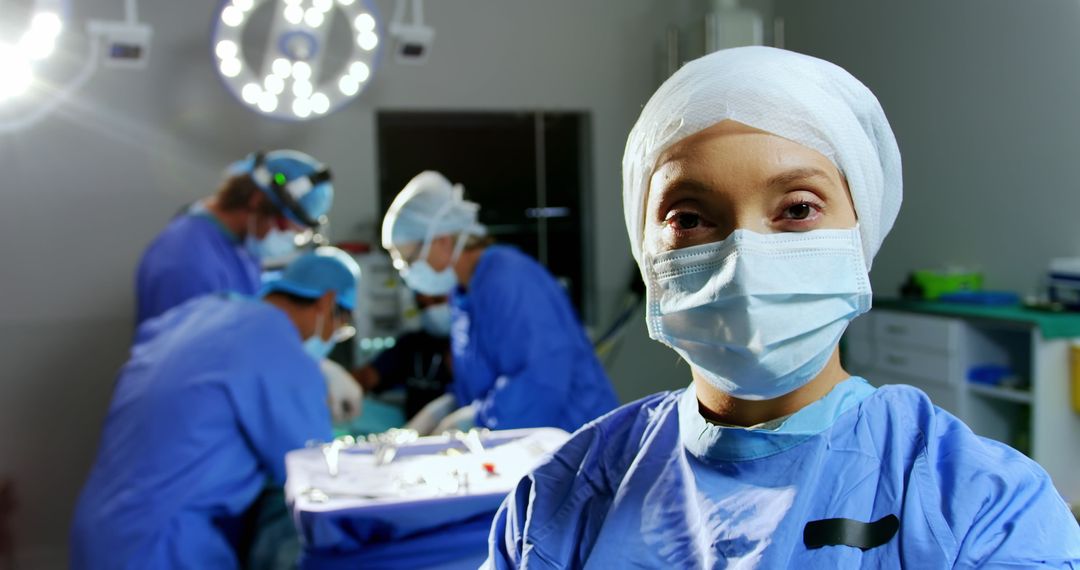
(15, 73)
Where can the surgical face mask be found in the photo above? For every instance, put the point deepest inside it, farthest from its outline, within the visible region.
(758, 315)
(436, 319)
(317, 347)
(423, 278)
(276, 243)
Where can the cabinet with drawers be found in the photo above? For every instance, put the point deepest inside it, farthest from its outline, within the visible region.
(935, 352)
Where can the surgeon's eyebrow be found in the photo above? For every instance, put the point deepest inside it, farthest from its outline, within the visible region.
(797, 175)
(683, 184)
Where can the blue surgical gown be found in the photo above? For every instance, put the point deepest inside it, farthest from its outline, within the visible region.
(520, 354)
(654, 485)
(194, 255)
(214, 394)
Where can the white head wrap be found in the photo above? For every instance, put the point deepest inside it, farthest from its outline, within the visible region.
(429, 206)
(803, 99)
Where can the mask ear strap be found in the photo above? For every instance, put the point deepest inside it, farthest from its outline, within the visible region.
(425, 249)
(319, 325)
(459, 247)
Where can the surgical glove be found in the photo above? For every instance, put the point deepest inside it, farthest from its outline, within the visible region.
(463, 419)
(344, 394)
(426, 419)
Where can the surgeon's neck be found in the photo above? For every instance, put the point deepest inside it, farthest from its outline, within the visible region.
(466, 265)
(301, 316)
(721, 407)
(235, 220)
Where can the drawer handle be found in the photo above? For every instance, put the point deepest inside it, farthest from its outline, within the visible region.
(895, 329)
(896, 360)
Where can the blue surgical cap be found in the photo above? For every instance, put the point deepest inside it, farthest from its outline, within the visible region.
(429, 206)
(311, 275)
(293, 165)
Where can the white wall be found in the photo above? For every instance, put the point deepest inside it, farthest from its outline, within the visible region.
(983, 97)
(84, 191)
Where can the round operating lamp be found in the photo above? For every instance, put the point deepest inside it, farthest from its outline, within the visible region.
(303, 69)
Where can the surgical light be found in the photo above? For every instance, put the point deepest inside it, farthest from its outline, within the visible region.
(274, 84)
(367, 40)
(314, 17)
(301, 71)
(232, 16)
(320, 103)
(306, 71)
(121, 43)
(294, 14)
(302, 89)
(268, 102)
(251, 93)
(364, 23)
(359, 71)
(16, 75)
(302, 108)
(282, 67)
(349, 86)
(231, 67)
(36, 43)
(227, 49)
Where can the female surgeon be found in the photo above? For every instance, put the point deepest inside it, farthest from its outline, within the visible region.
(758, 185)
(520, 355)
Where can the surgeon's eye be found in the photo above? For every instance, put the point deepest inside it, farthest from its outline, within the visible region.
(685, 220)
(799, 211)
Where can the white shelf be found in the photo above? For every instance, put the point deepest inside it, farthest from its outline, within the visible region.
(1009, 394)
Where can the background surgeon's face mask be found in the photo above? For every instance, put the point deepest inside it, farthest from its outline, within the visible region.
(276, 243)
(315, 345)
(758, 315)
(421, 277)
(436, 319)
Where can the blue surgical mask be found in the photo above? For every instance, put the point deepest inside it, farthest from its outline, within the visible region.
(436, 319)
(276, 243)
(758, 315)
(422, 278)
(317, 347)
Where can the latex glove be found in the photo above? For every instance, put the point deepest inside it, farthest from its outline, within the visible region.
(462, 419)
(426, 419)
(344, 394)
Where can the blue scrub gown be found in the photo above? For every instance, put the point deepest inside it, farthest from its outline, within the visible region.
(193, 256)
(215, 393)
(654, 485)
(520, 354)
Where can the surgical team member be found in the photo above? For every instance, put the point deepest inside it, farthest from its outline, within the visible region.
(215, 393)
(217, 245)
(758, 185)
(520, 355)
(419, 361)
